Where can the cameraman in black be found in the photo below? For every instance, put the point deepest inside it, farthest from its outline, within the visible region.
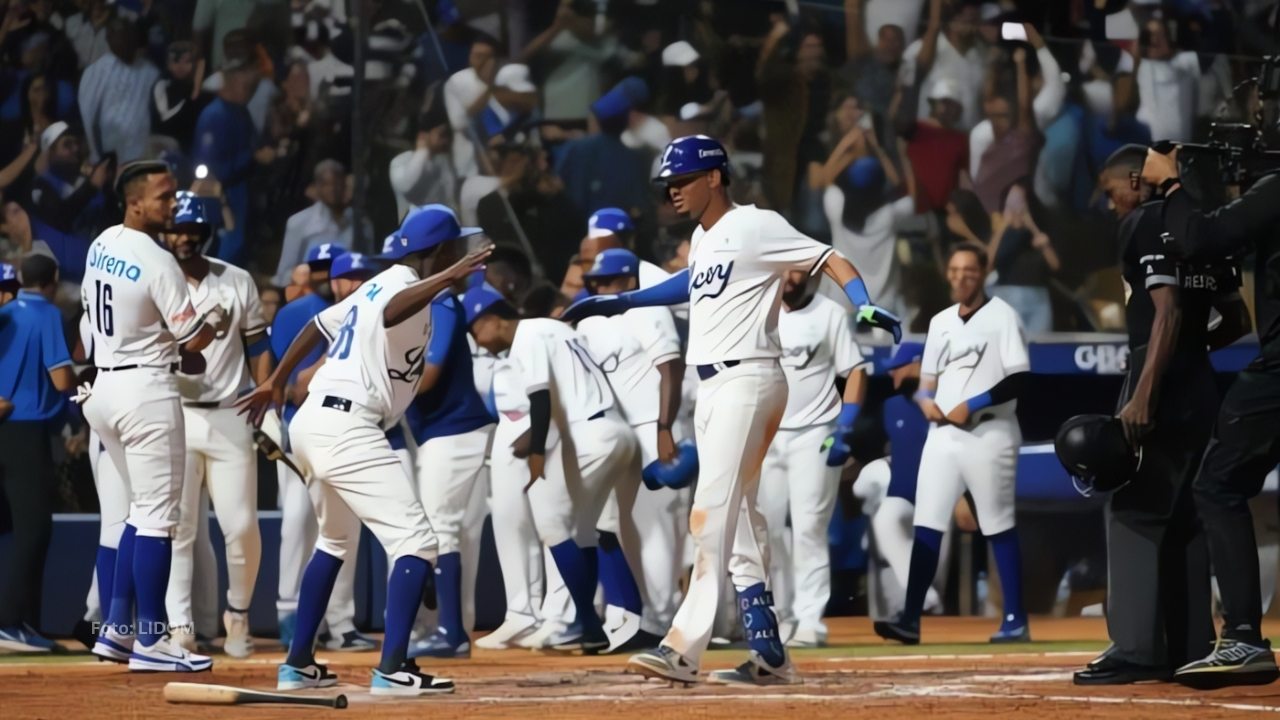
(1246, 440)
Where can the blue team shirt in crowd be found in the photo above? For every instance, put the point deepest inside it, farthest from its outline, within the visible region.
(907, 429)
(225, 140)
(31, 344)
(289, 322)
(452, 406)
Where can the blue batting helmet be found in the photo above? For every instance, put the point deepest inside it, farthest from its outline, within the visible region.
(612, 263)
(195, 210)
(692, 154)
(678, 474)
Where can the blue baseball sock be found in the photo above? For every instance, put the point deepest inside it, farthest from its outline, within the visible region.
(404, 595)
(313, 599)
(572, 563)
(152, 558)
(760, 624)
(449, 597)
(1008, 556)
(104, 568)
(620, 588)
(924, 564)
(120, 614)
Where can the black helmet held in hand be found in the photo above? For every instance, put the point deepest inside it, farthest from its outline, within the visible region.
(1095, 453)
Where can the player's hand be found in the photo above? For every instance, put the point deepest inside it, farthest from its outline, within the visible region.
(254, 406)
(6, 409)
(520, 448)
(1135, 416)
(932, 412)
(470, 263)
(666, 446)
(83, 392)
(537, 469)
(959, 414)
(604, 305)
(837, 446)
(878, 317)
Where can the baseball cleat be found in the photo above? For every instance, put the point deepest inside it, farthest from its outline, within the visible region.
(755, 671)
(621, 632)
(166, 656)
(351, 641)
(640, 641)
(315, 675)
(590, 642)
(1012, 630)
(22, 638)
(896, 629)
(238, 643)
(408, 680)
(1232, 662)
(437, 645)
(549, 634)
(509, 633)
(112, 645)
(664, 664)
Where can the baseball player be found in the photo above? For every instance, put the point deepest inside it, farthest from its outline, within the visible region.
(802, 468)
(975, 360)
(369, 376)
(220, 451)
(451, 427)
(297, 517)
(611, 228)
(639, 351)
(577, 445)
(141, 317)
(739, 257)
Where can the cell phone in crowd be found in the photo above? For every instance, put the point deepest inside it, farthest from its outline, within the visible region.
(1013, 31)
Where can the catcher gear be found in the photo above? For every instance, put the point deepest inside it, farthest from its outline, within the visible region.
(1094, 451)
(678, 474)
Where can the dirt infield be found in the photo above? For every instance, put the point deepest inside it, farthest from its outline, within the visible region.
(954, 675)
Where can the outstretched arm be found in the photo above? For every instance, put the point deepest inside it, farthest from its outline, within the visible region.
(672, 291)
(415, 297)
(839, 269)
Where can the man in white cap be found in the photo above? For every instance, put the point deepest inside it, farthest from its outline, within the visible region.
(938, 151)
(61, 193)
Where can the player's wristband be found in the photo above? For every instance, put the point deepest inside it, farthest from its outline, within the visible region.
(856, 291)
(977, 402)
(923, 395)
(848, 414)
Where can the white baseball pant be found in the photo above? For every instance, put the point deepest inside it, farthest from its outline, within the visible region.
(519, 553)
(796, 481)
(581, 469)
(220, 461)
(736, 417)
(891, 537)
(984, 460)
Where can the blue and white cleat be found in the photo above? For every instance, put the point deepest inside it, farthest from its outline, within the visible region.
(22, 638)
(437, 645)
(664, 664)
(165, 656)
(1012, 630)
(113, 645)
(350, 642)
(408, 681)
(312, 676)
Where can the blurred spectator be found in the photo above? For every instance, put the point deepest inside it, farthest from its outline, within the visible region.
(513, 99)
(466, 95)
(1023, 259)
(290, 132)
(271, 299)
(213, 19)
(34, 39)
(87, 30)
(38, 109)
(853, 126)
(329, 75)
(684, 79)
(1111, 120)
(425, 174)
(176, 102)
(644, 131)
(115, 97)
(508, 270)
(240, 49)
(62, 194)
(948, 50)
(328, 220)
(905, 14)
(939, 153)
(872, 72)
(1167, 84)
(1012, 152)
(572, 56)
(299, 283)
(966, 221)
(599, 170)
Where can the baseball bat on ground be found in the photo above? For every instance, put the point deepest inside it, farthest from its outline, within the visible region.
(198, 694)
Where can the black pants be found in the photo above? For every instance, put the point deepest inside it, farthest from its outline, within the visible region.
(1245, 447)
(27, 479)
(1159, 601)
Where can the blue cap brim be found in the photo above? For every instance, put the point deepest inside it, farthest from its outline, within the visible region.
(462, 233)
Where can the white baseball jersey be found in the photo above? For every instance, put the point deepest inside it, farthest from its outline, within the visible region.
(367, 363)
(226, 371)
(550, 353)
(137, 301)
(629, 348)
(735, 283)
(482, 366)
(968, 357)
(817, 344)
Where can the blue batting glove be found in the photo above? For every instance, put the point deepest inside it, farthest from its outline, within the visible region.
(595, 305)
(878, 317)
(837, 446)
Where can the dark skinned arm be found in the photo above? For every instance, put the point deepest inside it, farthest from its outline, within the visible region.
(670, 385)
(1136, 415)
(255, 404)
(413, 298)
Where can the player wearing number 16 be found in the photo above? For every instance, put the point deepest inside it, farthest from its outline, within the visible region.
(140, 313)
(376, 338)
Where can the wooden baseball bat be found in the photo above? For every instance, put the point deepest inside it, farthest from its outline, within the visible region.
(199, 694)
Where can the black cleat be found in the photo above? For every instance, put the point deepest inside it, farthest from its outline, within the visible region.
(899, 631)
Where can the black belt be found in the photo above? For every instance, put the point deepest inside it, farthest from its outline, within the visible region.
(172, 367)
(336, 403)
(706, 372)
(211, 405)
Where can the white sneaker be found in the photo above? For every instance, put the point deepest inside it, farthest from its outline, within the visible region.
(545, 633)
(166, 656)
(238, 643)
(408, 681)
(113, 646)
(621, 632)
(756, 672)
(314, 675)
(509, 633)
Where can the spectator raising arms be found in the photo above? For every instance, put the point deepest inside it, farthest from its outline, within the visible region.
(937, 150)
(1023, 259)
(1015, 142)
(950, 51)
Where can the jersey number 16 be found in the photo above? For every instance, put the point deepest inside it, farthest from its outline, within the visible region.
(103, 316)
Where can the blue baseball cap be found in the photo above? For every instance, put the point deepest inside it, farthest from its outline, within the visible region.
(614, 262)
(325, 253)
(692, 154)
(636, 90)
(865, 173)
(352, 265)
(907, 353)
(609, 221)
(477, 300)
(8, 274)
(612, 104)
(425, 228)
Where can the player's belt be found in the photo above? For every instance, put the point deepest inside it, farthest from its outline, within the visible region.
(210, 405)
(706, 372)
(336, 403)
(172, 367)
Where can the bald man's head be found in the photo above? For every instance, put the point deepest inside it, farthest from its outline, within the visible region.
(593, 246)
